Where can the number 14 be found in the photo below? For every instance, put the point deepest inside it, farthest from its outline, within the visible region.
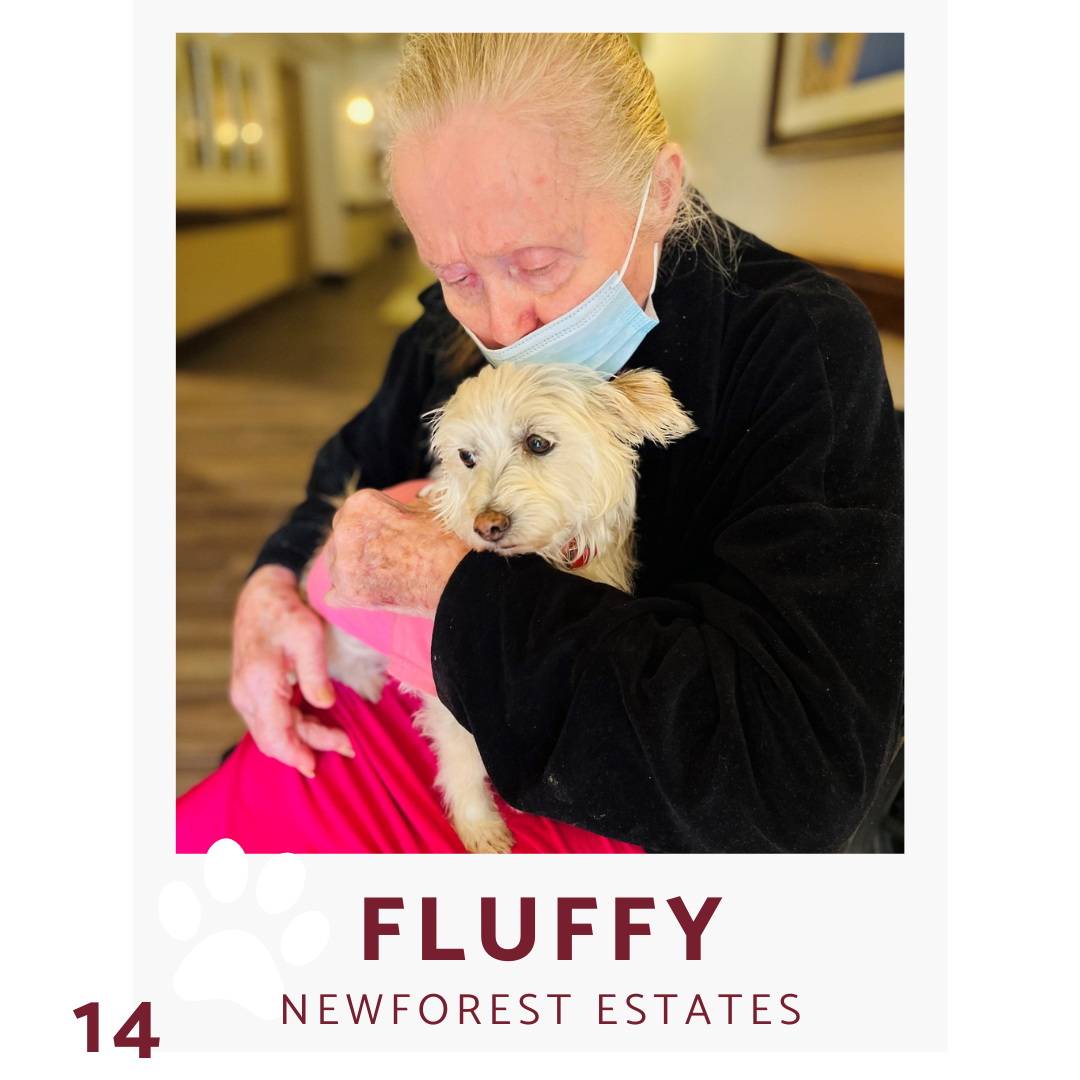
(140, 1018)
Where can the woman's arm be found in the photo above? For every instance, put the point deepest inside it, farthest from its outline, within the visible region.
(752, 703)
(275, 635)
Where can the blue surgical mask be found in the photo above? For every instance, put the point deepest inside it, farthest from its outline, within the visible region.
(601, 333)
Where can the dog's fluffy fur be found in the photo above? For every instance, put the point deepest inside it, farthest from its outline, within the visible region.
(529, 459)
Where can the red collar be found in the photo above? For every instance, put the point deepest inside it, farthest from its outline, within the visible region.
(576, 561)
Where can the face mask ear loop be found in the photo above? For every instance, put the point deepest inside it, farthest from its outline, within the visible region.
(655, 267)
(640, 217)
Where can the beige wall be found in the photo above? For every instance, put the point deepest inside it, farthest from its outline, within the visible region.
(367, 232)
(222, 270)
(715, 90)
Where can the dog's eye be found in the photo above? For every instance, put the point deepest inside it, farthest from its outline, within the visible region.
(468, 457)
(537, 444)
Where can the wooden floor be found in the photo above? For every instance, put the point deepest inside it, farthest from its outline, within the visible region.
(255, 399)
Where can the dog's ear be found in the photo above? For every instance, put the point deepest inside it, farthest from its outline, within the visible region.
(643, 407)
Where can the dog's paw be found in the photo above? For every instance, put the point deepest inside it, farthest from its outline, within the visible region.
(370, 686)
(357, 665)
(489, 836)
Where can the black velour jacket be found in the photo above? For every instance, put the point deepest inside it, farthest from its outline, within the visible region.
(748, 696)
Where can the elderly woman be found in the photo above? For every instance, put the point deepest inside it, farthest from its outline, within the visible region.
(747, 697)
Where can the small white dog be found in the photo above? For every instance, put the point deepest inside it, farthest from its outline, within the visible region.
(529, 459)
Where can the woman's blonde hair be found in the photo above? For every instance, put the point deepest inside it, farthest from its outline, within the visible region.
(593, 87)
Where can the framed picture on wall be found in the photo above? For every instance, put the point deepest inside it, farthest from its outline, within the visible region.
(837, 93)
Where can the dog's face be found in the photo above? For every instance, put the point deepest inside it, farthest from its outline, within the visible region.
(537, 457)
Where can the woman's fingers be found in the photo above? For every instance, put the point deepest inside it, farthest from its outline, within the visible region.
(274, 730)
(306, 644)
(283, 732)
(321, 737)
(275, 634)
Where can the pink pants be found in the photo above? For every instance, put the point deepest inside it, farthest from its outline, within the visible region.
(383, 800)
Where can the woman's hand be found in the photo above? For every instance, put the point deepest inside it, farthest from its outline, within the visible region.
(383, 554)
(275, 635)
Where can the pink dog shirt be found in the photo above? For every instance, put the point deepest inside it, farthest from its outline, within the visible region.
(404, 639)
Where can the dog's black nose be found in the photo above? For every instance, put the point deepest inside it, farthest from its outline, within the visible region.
(491, 525)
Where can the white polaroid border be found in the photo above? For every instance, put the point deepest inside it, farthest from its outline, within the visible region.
(861, 942)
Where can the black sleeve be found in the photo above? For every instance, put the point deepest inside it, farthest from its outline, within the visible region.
(381, 443)
(753, 704)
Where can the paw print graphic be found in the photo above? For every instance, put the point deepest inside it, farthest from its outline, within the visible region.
(235, 965)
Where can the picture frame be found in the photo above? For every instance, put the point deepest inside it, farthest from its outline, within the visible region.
(837, 94)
